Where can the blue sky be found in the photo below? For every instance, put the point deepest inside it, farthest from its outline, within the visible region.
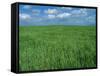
(53, 15)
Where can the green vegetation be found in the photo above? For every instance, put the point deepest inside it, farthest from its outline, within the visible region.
(56, 47)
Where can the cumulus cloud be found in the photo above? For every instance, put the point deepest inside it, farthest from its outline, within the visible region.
(67, 8)
(83, 11)
(91, 18)
(26, 6)
(79, 12)
(51, 16)
(35, 12)
(24, 16)
(63, 15)
(51, 11)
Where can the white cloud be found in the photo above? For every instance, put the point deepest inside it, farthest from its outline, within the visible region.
(84, 11)
(91, 18)
(63, 15)
(67, 8)
(50, 16)
(51, 11)
(26, 6)
(79, 12)
(24, 16)
(35, 12)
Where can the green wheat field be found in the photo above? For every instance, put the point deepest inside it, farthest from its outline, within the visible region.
(56, 47)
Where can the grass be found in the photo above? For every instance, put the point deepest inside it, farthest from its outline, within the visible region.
(56, 47)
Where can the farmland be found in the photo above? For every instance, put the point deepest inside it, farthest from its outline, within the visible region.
(56, 47)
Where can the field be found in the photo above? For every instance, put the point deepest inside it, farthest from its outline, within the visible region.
(56, 47)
